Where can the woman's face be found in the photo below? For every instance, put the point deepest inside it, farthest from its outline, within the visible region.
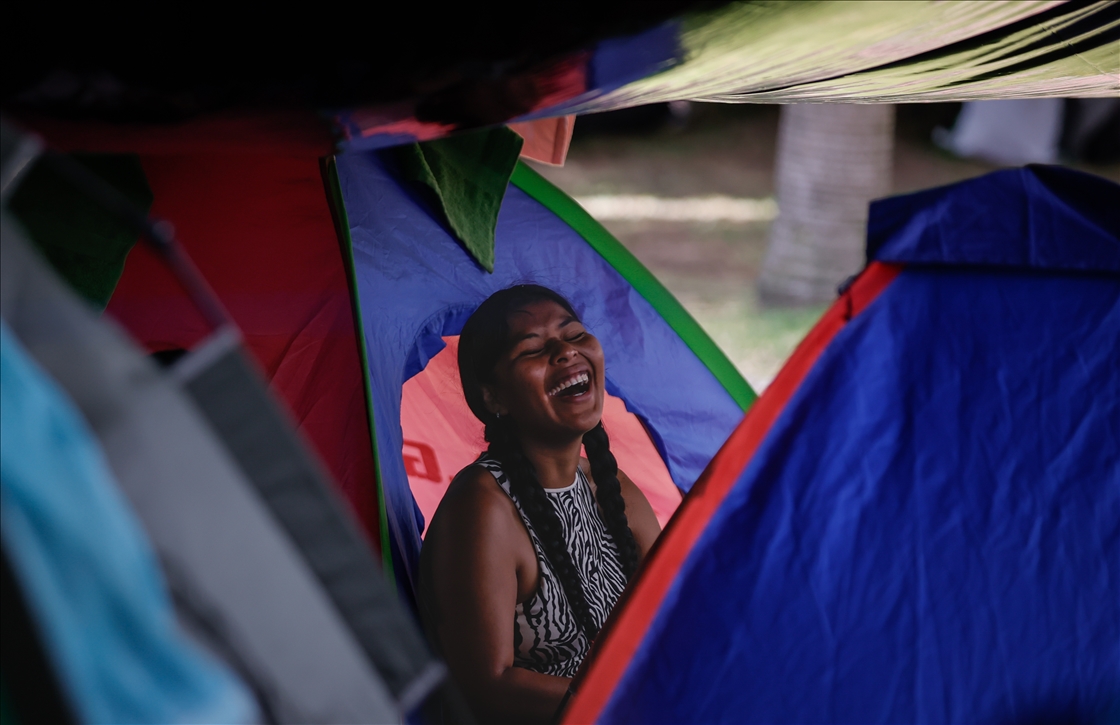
(550, 380)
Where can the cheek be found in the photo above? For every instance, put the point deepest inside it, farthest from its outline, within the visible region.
(524, 383)
(594, 353)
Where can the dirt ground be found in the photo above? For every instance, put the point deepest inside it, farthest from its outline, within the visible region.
(712, 267)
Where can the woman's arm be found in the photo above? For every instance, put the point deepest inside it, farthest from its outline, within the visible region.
(475, 554)
(639, 514)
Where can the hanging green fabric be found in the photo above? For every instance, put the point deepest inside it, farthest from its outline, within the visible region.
(86, 244)
(468, 173)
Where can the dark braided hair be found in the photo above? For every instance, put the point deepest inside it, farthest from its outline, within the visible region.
(604, 470)
(484, 339)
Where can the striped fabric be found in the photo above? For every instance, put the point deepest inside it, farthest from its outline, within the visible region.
(547, 638)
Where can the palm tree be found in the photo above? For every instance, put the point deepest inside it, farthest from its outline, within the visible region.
(832, 160)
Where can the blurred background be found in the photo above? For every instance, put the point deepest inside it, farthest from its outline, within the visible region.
(695, 191)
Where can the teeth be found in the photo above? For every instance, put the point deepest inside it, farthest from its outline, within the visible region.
(574, 380)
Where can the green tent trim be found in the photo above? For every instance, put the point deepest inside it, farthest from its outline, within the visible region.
(338, 207)
(640, 278)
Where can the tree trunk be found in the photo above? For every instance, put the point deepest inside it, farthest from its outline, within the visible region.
(832, 160)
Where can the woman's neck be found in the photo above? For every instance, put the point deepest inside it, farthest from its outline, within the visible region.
(555, 463)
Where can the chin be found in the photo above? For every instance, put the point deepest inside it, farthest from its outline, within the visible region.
(586, 425)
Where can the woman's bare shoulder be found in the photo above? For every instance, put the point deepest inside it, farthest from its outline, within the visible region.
(475, 485)
(474, 501)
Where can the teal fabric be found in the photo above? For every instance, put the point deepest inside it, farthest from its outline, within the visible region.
(86, 244)
(87, 571)
(467, 174)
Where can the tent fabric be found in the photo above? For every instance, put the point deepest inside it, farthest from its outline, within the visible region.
(581, 76)
(238, 581)
(246, 197)
(468, 175)
(227, 390)
(546, 140)
(85, 565)
(416, 285)
(56, 216)
(919, 520)
(893, 52)
(798, 52)
(1071, 222)
(527, 95)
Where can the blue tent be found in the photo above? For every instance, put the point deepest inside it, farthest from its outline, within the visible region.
(416, 285)
(919, 521)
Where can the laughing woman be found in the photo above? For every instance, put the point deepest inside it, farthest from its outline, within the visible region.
(532, 545)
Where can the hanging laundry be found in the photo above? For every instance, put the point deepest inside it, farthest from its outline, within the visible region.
(88, 572)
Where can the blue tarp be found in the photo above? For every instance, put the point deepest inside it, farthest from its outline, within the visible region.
(417, 284)
(930, 530)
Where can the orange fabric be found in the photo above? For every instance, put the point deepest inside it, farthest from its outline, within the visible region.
(632, 617)
(546, 139)
(442, 436)
(545, 86)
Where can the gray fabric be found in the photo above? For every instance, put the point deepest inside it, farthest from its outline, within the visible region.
(224, 556)
(233, 398)
(1012, 132)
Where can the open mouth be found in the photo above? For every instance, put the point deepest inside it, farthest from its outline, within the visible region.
(571, 387)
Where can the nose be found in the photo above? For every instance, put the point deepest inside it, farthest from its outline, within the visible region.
(563, 351)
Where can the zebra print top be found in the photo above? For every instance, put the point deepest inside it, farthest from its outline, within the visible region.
(546, 636)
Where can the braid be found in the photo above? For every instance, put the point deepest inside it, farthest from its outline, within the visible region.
(604, 469)
(506, 448)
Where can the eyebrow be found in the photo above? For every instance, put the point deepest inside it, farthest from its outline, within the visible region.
(521, 338)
